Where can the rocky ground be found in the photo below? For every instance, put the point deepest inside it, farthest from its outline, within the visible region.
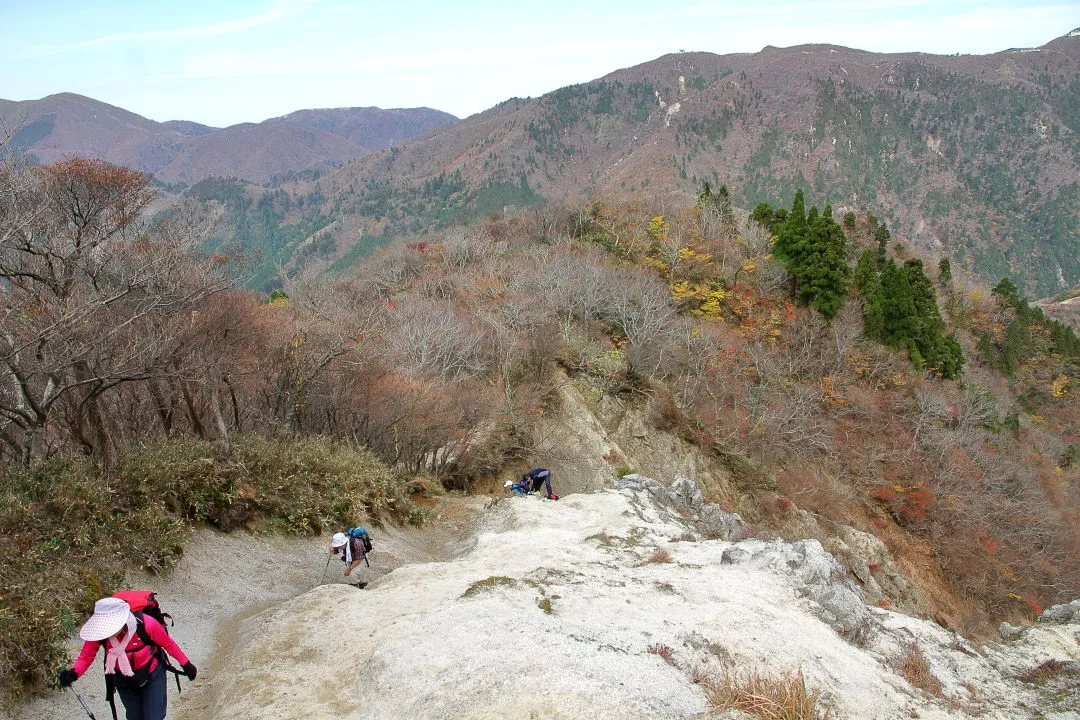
(615, 604)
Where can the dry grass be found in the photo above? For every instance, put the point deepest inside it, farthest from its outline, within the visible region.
(770, 697)
(916, 670)
(1041, 674)
(659, 556)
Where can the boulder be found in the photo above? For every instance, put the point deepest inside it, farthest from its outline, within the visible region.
(1058, 614)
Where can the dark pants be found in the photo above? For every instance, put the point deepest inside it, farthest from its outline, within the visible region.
(539, 482)
(147, 702)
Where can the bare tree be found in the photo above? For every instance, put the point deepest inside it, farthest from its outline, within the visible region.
(91, 297)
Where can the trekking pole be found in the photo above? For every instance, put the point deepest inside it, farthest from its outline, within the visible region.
(325, 569)
(84, 706)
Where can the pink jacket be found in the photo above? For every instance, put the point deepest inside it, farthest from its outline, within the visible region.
(138, 652)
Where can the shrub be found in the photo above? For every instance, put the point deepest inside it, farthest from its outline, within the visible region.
(916, 670)
(1043, 673)
(659, 556)
(771, 697)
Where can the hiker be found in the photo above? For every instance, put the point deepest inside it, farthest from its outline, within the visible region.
(518, 488)
(538, 478)
(132, 663)
(351, 549)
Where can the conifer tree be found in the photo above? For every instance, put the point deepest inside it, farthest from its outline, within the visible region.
(945, 272)
(792, 231)
(912, 319)
(869, 286)
(881, 235)
(813, 248)
(824, 272)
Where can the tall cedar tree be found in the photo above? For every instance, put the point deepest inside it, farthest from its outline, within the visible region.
(912, 319)
(813, 248)
(869, 286)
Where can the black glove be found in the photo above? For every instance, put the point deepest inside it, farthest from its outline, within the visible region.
(190, 670)
(67, 677)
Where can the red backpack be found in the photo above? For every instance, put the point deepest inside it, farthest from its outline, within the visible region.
(143, 602)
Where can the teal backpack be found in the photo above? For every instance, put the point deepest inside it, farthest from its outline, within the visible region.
(360, 532)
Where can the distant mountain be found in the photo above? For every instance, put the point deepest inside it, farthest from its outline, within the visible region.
(185, 151)
(371, 127)
(976, 157)
(187, 127)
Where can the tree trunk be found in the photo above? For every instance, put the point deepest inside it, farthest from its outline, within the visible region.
(163, 406)
(215, 412)
(92, 431)
(193, 413)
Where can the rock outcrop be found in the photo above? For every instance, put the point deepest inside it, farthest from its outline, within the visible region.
(615, 605)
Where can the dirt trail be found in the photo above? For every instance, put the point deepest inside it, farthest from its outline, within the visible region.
(224, 578)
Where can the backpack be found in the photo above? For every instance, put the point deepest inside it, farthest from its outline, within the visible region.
(142, 603)
(360, 532)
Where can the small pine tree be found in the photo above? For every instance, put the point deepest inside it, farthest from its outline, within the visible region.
(945, 272)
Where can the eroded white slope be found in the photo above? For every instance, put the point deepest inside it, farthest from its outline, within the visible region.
(557, 612)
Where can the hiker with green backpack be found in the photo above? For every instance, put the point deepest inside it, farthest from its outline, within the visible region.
(135, 657)
(353, 545)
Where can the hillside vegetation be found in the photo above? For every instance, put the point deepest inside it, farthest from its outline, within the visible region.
(816, 358)
(973, 157)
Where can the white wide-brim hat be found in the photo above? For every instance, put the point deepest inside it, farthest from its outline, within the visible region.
(508, 483)
(110, 614)
(338, 540)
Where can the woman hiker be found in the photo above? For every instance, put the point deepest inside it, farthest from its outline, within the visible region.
(132, 664)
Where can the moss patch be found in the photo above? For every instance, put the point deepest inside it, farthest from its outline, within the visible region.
(489, 583)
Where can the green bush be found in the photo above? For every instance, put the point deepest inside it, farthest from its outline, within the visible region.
(70, 531)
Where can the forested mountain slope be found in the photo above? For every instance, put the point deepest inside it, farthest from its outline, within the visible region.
(973, 156)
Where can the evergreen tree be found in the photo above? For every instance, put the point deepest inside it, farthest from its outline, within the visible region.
(792, 232)
(1007, 293)
(813, 248)
(824, 273)
(881, 235)
(912, 319)
(763, 215)
(945, 272)
(869, 285)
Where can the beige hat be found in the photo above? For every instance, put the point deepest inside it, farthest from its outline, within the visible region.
(339, 540)
(110, 615)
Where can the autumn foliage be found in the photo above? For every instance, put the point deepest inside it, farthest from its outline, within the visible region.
(441, 354)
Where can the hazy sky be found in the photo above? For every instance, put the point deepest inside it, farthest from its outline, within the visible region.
(226, 61)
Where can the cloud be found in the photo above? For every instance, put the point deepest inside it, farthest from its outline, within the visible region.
(281, 10)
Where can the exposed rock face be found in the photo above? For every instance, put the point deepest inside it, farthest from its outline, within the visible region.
(1061, 613)
(604, 606)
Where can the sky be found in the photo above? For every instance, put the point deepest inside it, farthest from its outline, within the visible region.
(221, 63)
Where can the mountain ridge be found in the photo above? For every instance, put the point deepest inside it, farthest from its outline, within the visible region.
(185, 151)
(974, 155)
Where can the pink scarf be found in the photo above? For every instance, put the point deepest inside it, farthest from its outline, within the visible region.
(116, 655)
